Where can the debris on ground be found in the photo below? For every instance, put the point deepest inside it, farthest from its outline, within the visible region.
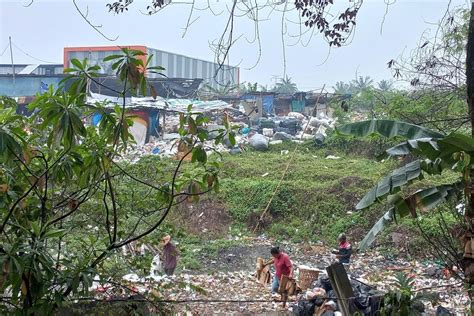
(229, 284)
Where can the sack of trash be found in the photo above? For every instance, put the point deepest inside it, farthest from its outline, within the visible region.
(296, 115)
(267, 123)
(319, 139)
(282, 136)
(259, 142)
(290, 123)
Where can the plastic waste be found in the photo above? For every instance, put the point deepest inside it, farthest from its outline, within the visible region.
(156, 267)
(259, 142)
(282, 136)
(319, 139)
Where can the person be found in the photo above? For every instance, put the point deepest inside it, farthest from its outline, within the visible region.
(283, 266)
(170, 255)
(330, 309)
(343, 254)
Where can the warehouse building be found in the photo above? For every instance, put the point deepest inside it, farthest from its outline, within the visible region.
(176, 65)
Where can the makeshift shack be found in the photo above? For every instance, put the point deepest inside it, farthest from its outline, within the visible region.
(147, 112)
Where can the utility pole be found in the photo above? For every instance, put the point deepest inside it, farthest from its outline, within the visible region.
(11, 56)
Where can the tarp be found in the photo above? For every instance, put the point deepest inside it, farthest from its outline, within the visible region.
(267, 101)
(297, 105)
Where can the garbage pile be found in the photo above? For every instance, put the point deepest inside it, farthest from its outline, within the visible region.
(259, 134)
(237, 291)
(322, 298)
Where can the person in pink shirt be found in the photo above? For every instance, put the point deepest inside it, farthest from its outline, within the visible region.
(283, 266)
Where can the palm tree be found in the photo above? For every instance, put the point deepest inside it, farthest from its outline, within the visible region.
(285, 85)
(362, 83)
(220, 90)
(385, 85)
(343, 88)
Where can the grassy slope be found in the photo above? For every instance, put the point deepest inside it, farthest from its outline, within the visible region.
(314, 203)
(314, 198)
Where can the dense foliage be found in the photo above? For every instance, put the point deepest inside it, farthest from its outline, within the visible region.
(64, 206)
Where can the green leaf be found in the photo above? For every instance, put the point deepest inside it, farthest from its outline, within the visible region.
(112, 57)
(190, 107)
(199, 154)
(427, 147)
(387, 128)
(192, 126)
(216, 185)
(391, 183)
(423, 200)
(232, 138)
(201, 119)
(77, 63)
(36, 228)
(380, 225)
(54, 233)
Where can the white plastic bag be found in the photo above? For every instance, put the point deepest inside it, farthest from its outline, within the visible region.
(156, 266)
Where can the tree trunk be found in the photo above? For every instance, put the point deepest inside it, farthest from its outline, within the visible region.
(468, 251)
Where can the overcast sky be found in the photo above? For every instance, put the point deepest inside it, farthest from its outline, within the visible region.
(44, 28)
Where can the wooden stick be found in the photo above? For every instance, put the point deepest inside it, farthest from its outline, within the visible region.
(286, 169)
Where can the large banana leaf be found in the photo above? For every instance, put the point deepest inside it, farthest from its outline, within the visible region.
(432, 148)
(427, 147)
(384, 221)
(387, 128)
(391, 183)
(423, 200)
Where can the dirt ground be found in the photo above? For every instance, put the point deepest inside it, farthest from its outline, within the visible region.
(231, 277)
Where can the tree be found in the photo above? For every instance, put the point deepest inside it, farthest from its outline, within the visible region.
(362, 83)
(343, 88)
(336, 27)
(247, 87)
(436, 70)
(385, 85)
(58, 176)
(438, 62)
(435, 153)
(223, 90)
(285, 85)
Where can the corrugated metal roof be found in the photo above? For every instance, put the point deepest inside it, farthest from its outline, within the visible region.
(28, 69)
(177, 105)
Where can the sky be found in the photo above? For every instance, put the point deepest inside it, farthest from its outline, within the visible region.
(40, 31)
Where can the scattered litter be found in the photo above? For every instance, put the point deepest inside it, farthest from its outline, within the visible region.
(265, 174)
(333, 157)
(268, 132)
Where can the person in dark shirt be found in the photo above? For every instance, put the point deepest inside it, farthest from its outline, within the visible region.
(343, 254)
(170, 255)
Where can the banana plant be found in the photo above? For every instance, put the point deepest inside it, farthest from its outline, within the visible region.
(435, 153)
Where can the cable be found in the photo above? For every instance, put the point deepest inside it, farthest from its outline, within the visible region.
(5, 49)
(41, 60)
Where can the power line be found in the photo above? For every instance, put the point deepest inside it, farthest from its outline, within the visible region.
(5, 49)
(29, 55)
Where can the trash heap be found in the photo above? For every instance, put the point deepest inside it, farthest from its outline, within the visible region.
(259, 134)
(215, 292)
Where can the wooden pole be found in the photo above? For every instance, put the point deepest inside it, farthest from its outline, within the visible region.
(163, 127)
